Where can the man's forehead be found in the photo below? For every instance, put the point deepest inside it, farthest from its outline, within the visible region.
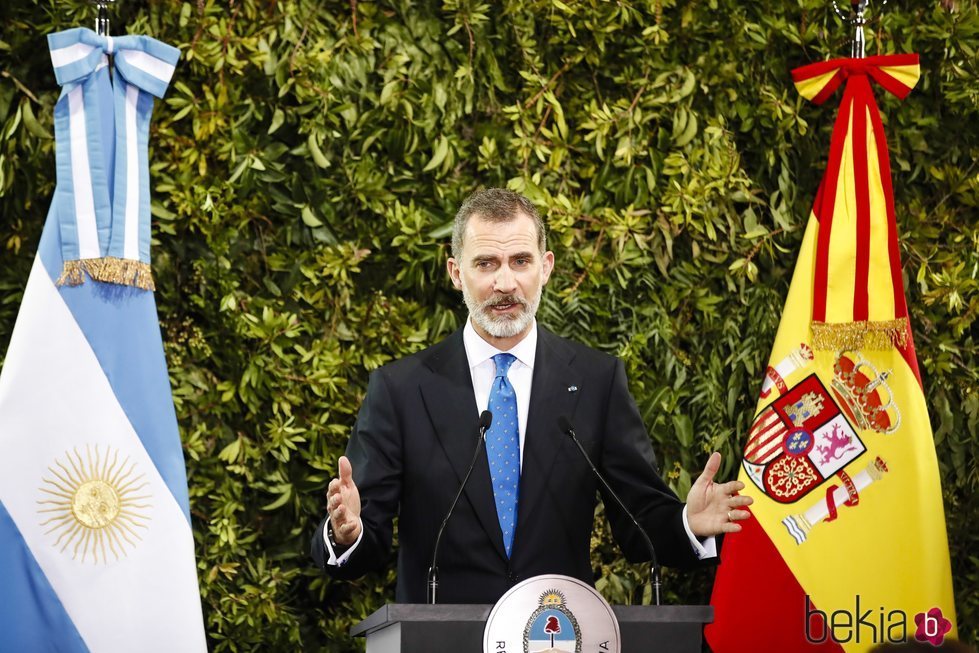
(518, 232)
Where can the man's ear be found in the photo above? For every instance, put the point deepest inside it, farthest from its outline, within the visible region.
(455, 272)
(547, 266)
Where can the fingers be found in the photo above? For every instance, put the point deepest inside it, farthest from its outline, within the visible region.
(343, 504)
(333, 501)
(730, 488)
(343, 522)
(332, 495)
(346, 471)
(346, 529)
(734, 516)
(733, 513)
(710, 469)
(737, 515)
(339, 516)
(738, 501)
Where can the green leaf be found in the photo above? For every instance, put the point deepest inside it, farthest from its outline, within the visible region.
(689, 131)
(278, 117)
(309, 218)
(31, 123)
(281, 501)
(441, 150)
(314, 150)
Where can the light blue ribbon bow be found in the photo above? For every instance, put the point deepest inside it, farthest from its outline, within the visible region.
(102, 135)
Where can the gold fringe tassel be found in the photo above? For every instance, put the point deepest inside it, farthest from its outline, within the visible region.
(854, 336)
(71, 274)
(121, 271)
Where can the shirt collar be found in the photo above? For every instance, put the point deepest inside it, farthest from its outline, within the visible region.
(479, 351)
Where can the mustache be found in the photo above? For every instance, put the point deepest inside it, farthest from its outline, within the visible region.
(503, 300)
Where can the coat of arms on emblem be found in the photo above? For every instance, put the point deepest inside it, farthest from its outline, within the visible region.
(552, 627)
(534, 617)
(799, 441)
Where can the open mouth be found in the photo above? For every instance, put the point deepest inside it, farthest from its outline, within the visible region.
(505, 307)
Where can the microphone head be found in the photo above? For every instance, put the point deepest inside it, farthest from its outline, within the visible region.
(565, 425)
(485, 419)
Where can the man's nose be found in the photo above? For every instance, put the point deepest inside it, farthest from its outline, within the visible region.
(506, 281)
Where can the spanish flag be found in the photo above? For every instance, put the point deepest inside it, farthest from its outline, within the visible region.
(846, 545)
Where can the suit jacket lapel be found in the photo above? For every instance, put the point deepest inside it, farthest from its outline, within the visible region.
(451, 405)
(554, 392)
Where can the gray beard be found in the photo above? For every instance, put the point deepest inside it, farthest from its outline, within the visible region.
(502, 326)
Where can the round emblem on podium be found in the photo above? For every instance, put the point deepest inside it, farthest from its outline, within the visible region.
(551, 613)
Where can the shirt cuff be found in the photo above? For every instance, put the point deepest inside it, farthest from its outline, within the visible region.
(706, 548)
(337, 561)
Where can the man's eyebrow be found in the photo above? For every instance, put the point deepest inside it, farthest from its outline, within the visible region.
(492, 258)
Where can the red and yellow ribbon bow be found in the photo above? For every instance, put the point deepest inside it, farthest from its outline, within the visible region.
(858, 293)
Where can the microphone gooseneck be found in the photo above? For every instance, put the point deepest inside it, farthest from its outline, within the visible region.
(485, 420)
(565, 425)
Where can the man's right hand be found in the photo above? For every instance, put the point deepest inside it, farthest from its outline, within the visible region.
(343, 505)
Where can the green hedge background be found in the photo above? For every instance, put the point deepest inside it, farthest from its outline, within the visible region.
(306, 165)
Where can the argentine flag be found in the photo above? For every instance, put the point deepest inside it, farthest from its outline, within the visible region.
(97, 549)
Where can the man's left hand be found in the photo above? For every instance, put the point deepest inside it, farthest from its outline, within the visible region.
(713, 508)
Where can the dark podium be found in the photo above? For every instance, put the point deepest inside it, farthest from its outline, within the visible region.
(410, 628)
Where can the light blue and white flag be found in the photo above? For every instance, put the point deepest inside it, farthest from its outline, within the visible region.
(95, 535)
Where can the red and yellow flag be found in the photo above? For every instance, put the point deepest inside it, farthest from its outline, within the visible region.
(846, 546)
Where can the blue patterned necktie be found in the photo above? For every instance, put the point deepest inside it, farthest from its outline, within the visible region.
(503, 449)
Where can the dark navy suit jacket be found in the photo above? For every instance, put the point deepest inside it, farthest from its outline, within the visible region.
(413, 442)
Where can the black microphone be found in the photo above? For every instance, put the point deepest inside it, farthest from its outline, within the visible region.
(485, 419)
(565, 424)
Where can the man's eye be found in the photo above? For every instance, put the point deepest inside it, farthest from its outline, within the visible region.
(522, 261)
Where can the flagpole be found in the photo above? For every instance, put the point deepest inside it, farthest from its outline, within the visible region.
(858, 18)
(102, 17)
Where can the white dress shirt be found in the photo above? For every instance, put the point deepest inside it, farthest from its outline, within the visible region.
(521, 374)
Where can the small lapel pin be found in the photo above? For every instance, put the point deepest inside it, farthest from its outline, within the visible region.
(572, 388)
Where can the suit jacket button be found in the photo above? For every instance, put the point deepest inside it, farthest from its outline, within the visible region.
(512, 577)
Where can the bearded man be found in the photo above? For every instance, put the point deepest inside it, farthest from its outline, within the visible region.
(528, 508)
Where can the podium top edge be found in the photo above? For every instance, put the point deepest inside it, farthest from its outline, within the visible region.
(675, 613)
(459, 612)
(401, 612)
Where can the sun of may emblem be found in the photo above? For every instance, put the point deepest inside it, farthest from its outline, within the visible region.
(94, 503)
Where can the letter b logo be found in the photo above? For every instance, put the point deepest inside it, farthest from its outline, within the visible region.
(932, 626)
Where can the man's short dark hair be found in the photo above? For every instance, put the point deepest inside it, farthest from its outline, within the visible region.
(495, 205)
